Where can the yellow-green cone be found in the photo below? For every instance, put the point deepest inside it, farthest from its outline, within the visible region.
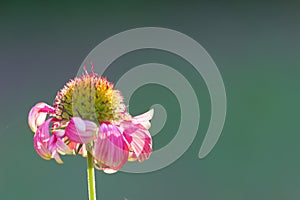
(90, 97)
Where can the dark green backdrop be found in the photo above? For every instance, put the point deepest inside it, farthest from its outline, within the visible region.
(256, 48)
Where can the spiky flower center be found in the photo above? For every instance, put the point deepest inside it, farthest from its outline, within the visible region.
(90, 97)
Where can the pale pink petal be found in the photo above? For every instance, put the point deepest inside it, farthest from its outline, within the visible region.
(45, 145)
(110, 148)
(81, 131)
(41, 139)
(145, 116)
(37, 115)
(62, 147)
(143, 119)
(56, 146)
(139, 140)
(59, 133)
(57, 158)
(105, 169)
(109, 171)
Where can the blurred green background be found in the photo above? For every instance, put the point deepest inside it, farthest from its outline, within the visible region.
(256, 48)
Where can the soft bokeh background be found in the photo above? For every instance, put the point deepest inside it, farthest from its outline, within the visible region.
(256, 48)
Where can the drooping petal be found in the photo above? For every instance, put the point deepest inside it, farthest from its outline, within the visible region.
(143, 119)
(48, 146)
(139, 140)
(59, 143)
(37, 115)
(41, 139)
(56, 145)
(57, 158)
(52, 146)
(110, 148)
(105, 168)
(81, 131)
(62, 147)
(59, 133)
(109, 171)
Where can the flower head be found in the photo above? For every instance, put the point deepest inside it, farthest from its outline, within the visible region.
(89, 115)
(90, 97)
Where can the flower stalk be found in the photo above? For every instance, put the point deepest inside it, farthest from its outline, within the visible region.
(91, 177)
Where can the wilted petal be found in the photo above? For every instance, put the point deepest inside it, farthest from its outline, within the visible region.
(110, 148)
(81, 131)
(57, 142)
(59, 133)
(109, 171)
(37, 115)
(57, 158)
(143, 119)
(41, 139)
(139, 140)
(53, 149)
(62, 147)
(105, 169)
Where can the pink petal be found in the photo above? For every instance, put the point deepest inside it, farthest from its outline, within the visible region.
(53, 148)
(37, 115)
(62, 147)
(110, 148)
(59, 133)
(57, 158)
(139, 140)
(81, 131)
(105, 169)
(143, 119)
(41, 139)
(109, 171)
(48, 146)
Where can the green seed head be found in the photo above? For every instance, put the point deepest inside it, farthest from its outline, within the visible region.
(90, 97)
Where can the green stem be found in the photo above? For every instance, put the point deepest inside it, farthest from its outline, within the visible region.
(91, 177)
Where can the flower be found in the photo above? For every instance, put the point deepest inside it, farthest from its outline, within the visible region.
(88, 114)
